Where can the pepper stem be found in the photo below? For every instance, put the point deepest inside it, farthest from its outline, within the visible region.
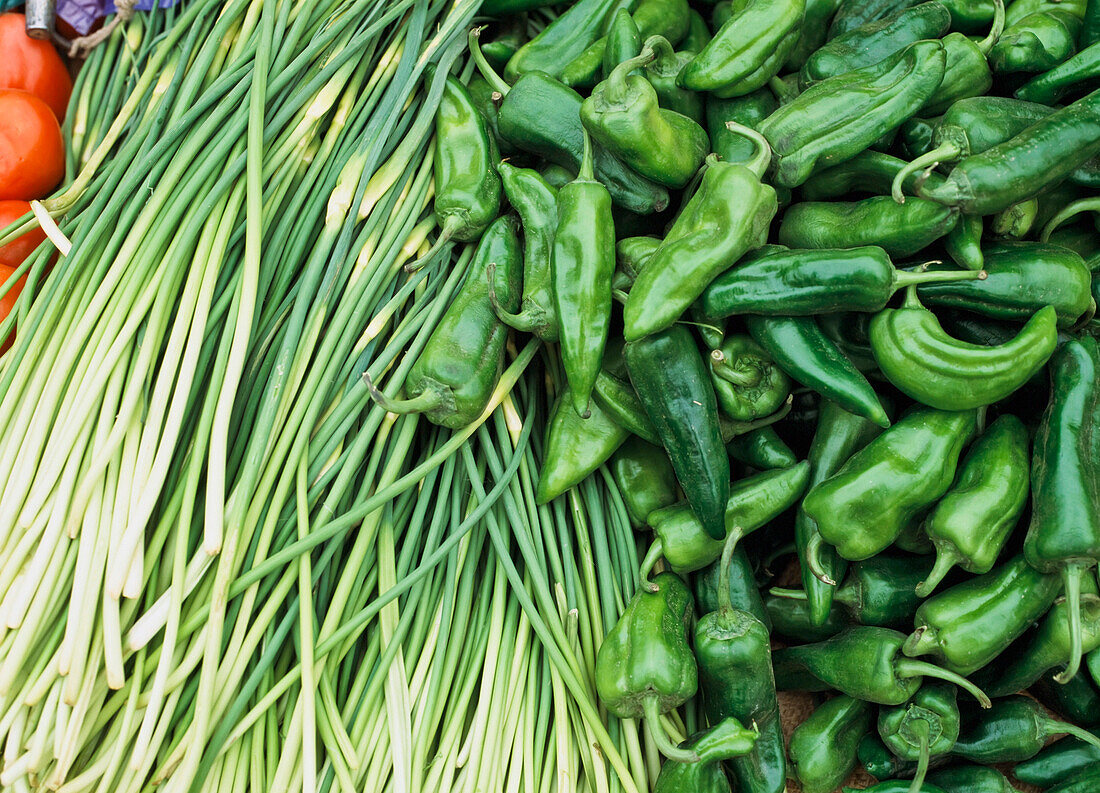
(789, 594)
(813, 558)
(648, 563)
(1054, 727)
(617, 87)
(450, 226)
(588, 171)
(660, 737)
(660, 46)
(735, 428)
(724, 602)
(720, 365)
(763, 156)
(1068, 211)
(527, 321)
(929, 160)
(922, 729)
(986, 44)
(491, 77)
(945, 560)
(1071, 581)
(904, 278)
(426, 401)
(911, 667)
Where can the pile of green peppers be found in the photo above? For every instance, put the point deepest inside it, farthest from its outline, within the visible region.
(817, 283)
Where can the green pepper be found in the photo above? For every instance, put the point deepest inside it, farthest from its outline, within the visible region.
(875, 41)
(741, 586)
(848, 330)
(809, 282)
(562, 40)
(877, 591)
(632, 254)
(964, 243)
(1015, 729)
(485, 99)
(623, 115)
(1018, 9)
(880, 762)
(624, 41)
(1026, 164)
(753, 502)
(915, 137)
(698, 34)
(809, 357)
(748, 110)
(618, 400)
(924, 727)
(1035, 43)
(645, 478)
(864, 662)
(851, 14)
(923, 361)
(761, 449)
(1078, 699)
(899, 229)
(836, 119)
(1085, 782)
(747, 50)
(1058, 763)
(575, 447)
(510, 35)
(970, 778)
(812, 32)
(1090, 30)
(823, 747)
(672, 381)
(582, 265)
(1051, 85)
(662, 74)
(863, 507)
(455, 374)
(1064, 535)
(895, 786)
(967, 71)
(645, 666)
(868, 172)
(746, 380)
(726, 740)
(970, 624)
(970, 16)
(726, 217)
(791, 620)
(971, 523)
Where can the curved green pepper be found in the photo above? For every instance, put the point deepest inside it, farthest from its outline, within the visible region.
(863, 507)
(823, 747)
(971, 523)
(967, 72)
(923, 361)
(1064, 535)
(1085, 782)
(880, 762)
(456, 372)
(619, 401)
(1049, 86)
(1078, 698)
(970, 624)
(662, 74)
(868, 172)
(485, 99)
(761, 449)
(672, 381)
(698, 34)
(624, 41)
(915, 136)
(1018, 9)
(645, 478)
(726, 740)
(645, 666)
(746, 380)
(812, 32)
(747, 50)
(924, 727)
(726, 217)
(791, 620)
(970, 16)
(852, 14)
(1014, 729)
(970, 778)
(964, 243)
(740, 585)
(562, 40)
(864, 662)
(899, 229)
(1058, 763)
(1036, 43)
(748, 110)
(836, 119)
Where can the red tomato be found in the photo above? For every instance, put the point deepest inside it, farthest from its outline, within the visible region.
(33, 66)
(32, 154)
(12, 255)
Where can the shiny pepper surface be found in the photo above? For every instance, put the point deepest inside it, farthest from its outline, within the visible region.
(662, 74)
(851, 14)
(727, 740)
(726, 217)
(575, 447)
(925, 726)
(838, 118)
(562, 40)
(761, 449)
(644, 476)
(864, 506)
(1036, 43)
(746, 380)
(748, 110)
(1049, 86)
(970, 778)
(1014, 729)
(823, 748)
(899, 229)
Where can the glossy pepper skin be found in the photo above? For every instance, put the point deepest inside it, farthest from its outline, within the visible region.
(812, 33)
(1022, 278)
(1035, 43)
(1049, 86)
(748, 110)
(582, 265)
(1026, 164)
(809, 357)
(575, 447)
(875, 41)
(1014, 729)
(917, 355)
(925, 726)
(624, 41)
(662, 74)
(645, 478)
(1090, 30)
(672, 381)
(1085, 782)
(761, 449)
(748, 49)
(741, 586)
(810, 282)
(971, 523)
(895, 786)
(851, 14)
(1064, 535)
(1059, 762)
(880, 762)
(753, 502)
(864, 662)
(618, 399)
(726, 217)
(967, 626)
(964, 243)
(645, 666)
(899, 229)
(456, 372)
(790, 620)
(726, 740)
(868, 172)
(746, 380)
(562, 40)
(863, 507)
(823, 748)
(698, 33)
(838, 118)
(1077, 699)
(971, 778)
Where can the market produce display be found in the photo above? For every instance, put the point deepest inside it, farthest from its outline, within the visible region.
(517, 395)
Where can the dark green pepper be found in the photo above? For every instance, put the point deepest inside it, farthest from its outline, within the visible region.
(454, 376)
(1014, 729)
(698, 34)
(748, 110)
(1058, 763)
(1064, 535)
(1049, 86)
(836, 119)
(864, 662)
(672, 381)
(624, 116)
(880, 762)
(970, 624)
(848, 330)
(575, 447)
(863, 507)
(1085, 782)
(727, 216)
(618, 400)
(1036, 43)
(624, 41)
(823, 747)
(868, 172)
(812, 32)
(645, 666)
(791, 620)
(899, 229)
(970, 16)
(966, 73)
(970, 778)
(632, 253)
(917, 355)
(510, 34)
(851, 14)
(748, 383)
(924, 727)
(1090, 31)
(741, 586)
(645, 478)
(662, 74)
(809, 357)
(761, 449)
(896, 786)
(971, 523)
(485, 99)
(964, 243)
(562, 40)
(726, 740)
(1078, 699)
(915, 137)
